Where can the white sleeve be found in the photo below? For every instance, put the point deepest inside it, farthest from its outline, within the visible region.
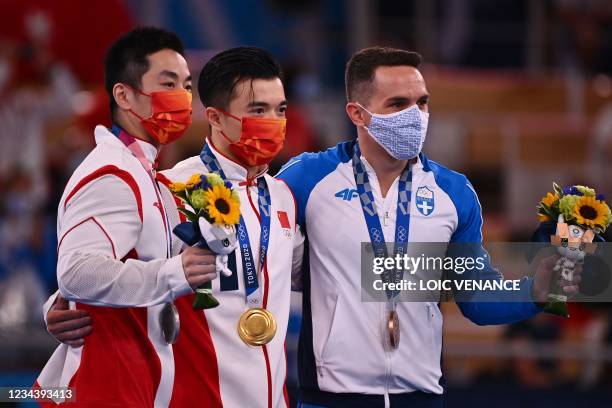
(298, 257)
(47, 306)
(99, 227)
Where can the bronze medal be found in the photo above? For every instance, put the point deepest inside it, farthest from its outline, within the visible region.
(257, 326)
(393, 329)
(169, 323)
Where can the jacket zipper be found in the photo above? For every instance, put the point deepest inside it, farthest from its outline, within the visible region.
(264, 275)
(387, 361)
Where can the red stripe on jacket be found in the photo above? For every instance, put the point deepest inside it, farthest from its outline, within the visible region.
(196, 378)
(109, 170)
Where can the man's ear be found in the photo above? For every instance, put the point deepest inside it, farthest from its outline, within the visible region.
(122, 96)
(357, 115)
(213, 116)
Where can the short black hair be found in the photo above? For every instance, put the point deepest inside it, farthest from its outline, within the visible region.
(360, 68)
(126, 60)
(226, 69)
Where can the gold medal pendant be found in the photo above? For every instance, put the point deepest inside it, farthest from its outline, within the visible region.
(393, 329)
(257, 326)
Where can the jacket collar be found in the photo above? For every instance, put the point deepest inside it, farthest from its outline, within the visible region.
(104, 135)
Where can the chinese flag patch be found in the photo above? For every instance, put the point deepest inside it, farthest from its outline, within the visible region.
(284, 220)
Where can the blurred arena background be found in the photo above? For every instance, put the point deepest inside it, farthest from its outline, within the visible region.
(521, 95)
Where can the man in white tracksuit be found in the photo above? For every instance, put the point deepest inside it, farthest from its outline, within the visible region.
(116, 259)
(242, 91)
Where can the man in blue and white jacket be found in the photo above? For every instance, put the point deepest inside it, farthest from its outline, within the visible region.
(342, 358)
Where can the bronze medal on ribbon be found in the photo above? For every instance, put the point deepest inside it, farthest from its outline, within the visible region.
(170, 323)
(393, 329)
(257, 326)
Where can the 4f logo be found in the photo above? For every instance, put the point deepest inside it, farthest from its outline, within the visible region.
(347, 194)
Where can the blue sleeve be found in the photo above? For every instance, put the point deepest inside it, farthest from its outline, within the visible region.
(293, 173)
(490, 307)
(302, 173)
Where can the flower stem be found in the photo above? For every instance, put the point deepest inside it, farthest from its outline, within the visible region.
(204, 298)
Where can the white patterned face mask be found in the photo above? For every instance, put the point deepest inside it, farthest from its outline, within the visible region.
(402, 133)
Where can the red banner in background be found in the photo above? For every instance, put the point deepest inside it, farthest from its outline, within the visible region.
(74, 32)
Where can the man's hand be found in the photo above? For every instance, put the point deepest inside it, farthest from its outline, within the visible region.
(68, 326)
(199, 266)
(544, 276)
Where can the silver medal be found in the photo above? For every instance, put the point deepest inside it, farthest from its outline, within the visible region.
(170, 323)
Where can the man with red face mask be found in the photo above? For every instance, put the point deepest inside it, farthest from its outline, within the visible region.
(237, 349)
(118, 264)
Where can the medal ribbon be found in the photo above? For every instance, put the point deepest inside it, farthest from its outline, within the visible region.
(251, 280)
(402, 225)
(132, 145)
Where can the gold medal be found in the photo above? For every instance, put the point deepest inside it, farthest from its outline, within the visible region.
(393, 329)
(257, 326)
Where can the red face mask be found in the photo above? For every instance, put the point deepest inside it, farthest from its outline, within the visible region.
(170, 115)
(260, 139)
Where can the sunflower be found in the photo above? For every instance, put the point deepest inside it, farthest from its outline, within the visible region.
(177, 187)
(591, 212)
(193, 181)
(223, 207)
(550, 199)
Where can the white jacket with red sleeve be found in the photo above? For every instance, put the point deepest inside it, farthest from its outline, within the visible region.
(117, 261)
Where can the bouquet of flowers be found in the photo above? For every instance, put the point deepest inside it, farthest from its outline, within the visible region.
(580, 213)
(212, 209)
